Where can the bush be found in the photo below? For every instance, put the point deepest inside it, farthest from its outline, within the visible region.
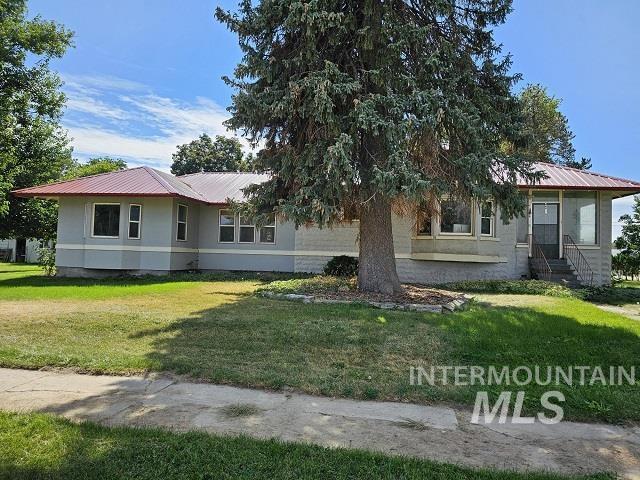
(47, 260)
(342, 266)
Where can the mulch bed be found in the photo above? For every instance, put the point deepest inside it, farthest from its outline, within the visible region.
(413, 297)
(412, 294)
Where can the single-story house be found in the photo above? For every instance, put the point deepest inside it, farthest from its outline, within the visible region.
(143, 220)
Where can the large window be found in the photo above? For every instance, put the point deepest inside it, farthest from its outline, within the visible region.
(268, 231)
(247, 231)
(106, 220)
(580, 217)
(183, 215)
(135, 220)
(487, 219)
(227, 232)
(455, 217)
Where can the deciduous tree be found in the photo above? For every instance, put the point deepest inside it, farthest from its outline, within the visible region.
(33, 147)
(206, 155)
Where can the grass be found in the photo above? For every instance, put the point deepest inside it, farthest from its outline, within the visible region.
(240, 410)
(36, 446)
(214, 328)
(512, 287)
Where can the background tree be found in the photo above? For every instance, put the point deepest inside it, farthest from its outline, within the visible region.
(33, 147)
(95, 166)
(629, 240)
(549, 138)
(206, 155)
(367, 106)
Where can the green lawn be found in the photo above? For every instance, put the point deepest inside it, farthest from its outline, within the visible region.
(39, 446)
(214, 328)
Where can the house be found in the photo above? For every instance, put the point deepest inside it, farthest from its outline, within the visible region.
(142, 220)
(19, 250)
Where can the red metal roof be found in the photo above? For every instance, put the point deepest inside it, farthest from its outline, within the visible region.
(141, 182)
(216, 188)
(573, 179)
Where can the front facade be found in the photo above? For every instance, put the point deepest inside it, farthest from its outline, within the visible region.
(122, 222)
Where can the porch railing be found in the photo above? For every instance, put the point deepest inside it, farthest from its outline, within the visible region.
(539, 261)
(574, 256)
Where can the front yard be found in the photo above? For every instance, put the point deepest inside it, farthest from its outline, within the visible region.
(214, 328)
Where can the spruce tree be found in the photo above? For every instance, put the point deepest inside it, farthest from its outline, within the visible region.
(362, 108)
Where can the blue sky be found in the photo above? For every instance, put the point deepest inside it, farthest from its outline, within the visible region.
(145, 76)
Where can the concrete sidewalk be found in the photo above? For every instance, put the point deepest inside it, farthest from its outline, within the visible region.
(437, 433)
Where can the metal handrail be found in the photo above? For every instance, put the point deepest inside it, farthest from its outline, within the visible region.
(572, 253)
(539, 260)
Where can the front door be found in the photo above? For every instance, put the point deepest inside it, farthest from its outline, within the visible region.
(546, 231)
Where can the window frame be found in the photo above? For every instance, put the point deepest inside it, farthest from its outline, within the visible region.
(472, 220)
(245, 225)
(220, 226)
(563, 219)
(492, 219)
(93, 219)
(275, 231)
(139, 222)
(186, 223)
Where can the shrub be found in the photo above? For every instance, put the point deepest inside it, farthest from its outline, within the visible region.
(47, 260)
(342, 266)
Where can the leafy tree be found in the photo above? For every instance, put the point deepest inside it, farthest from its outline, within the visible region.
(206, 155)
(95, 166)
(365, 107)
(550, 139)
(629, 241)
(33, 147)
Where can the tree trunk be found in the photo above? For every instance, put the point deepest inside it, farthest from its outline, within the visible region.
(377, 264)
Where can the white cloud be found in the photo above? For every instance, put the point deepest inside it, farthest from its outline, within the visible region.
(121, 118)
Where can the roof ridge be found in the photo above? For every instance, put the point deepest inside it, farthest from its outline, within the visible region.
(158, 177)
(219, 173)
(58, 182)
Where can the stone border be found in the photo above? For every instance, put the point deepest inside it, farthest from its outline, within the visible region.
(452, 306)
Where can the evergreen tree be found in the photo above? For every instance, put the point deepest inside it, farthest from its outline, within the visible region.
(364, 107)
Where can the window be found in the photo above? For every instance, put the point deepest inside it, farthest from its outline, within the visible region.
(487, 219)
(183, 214)
(455, 217)
(135, 218)
(106, 220)
(268, 231)
(247, 231)
(580, 217)
(227, 233)
(522, 228)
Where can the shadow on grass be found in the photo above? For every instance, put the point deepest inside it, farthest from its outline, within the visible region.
(347, 351)
(126, 280)
(359, 352)
(64, 450)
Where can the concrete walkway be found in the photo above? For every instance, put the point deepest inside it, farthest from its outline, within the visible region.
(437, 433)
